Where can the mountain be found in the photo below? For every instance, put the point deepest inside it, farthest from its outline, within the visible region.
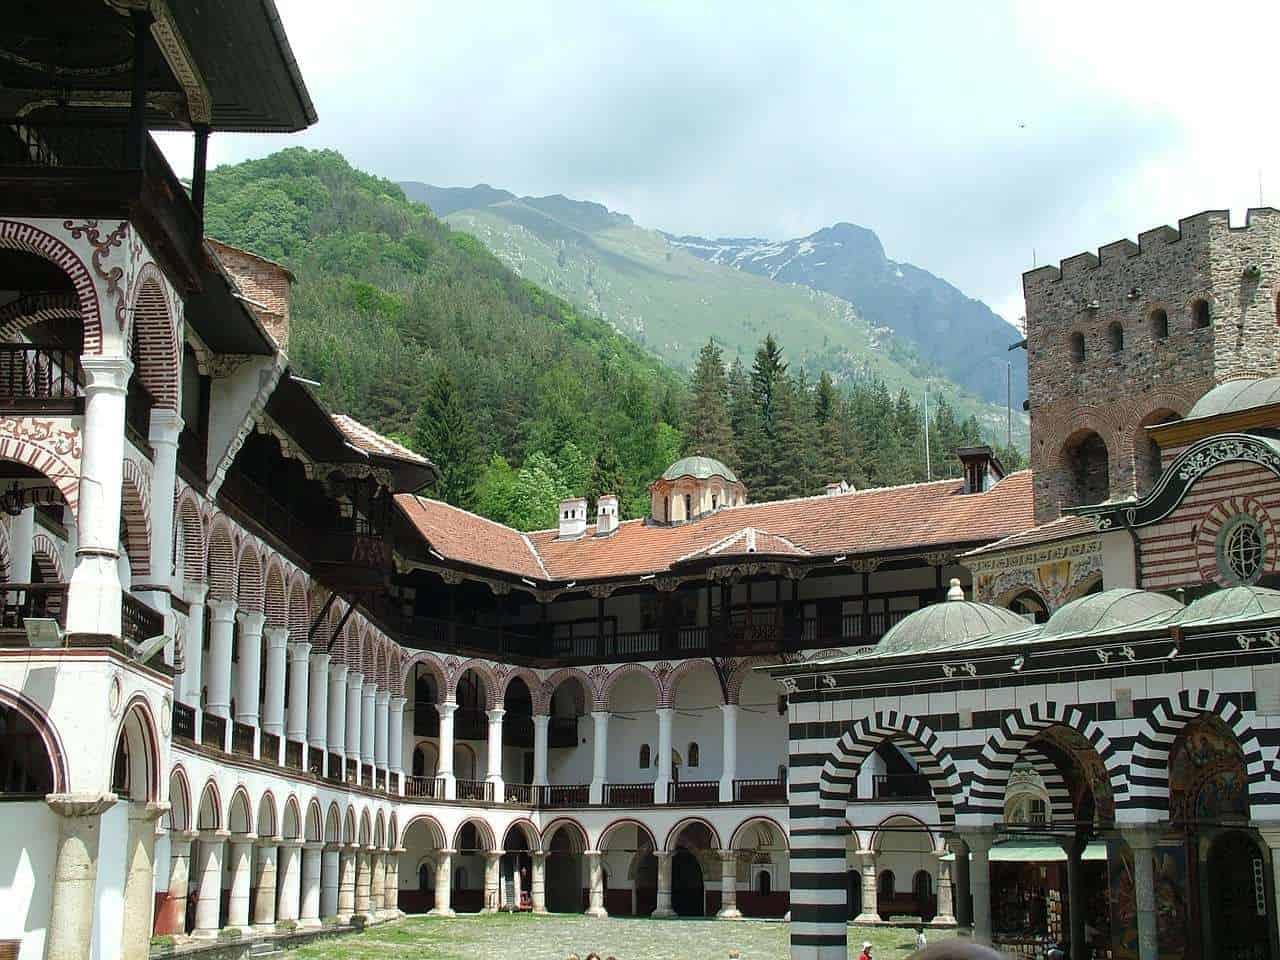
(670, 297)
(445, 200)
(849, 261)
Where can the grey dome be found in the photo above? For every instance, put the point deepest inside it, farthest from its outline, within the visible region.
(947, 624)
(1110, 610)
(700, 468)
(1233, 603)
(1235, 395)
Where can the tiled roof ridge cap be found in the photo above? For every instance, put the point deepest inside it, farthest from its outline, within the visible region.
(493, 523)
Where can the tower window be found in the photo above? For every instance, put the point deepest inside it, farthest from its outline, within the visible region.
(644, 756)
(1077, 347)
(1159, 324)
(1115, 337)
(688, 507)
(1200, 317)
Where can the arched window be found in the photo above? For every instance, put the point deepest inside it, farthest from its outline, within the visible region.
(25, 767)
(1115, 337)
(1200, 315)
(764, 883)
(644, 756)
(688, 507)
(666, 509)
(782, 773)
(1159, 321)
(1077, 347)
(693, 754)
(922, 885)
(886, 884)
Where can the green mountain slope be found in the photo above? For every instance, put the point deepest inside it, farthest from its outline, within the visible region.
(671, 301)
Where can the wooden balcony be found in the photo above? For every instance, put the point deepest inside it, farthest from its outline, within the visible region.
(424, 788)
(138, 621)
(20, 602)
(293, 751)
(241, 739)
(560, 795)
(694, 791)
(184, 722)
(269, 747)
(213, 731)
(481, 790)
(628, 794)
(760, 791)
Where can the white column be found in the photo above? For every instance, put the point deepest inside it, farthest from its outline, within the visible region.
(600, 754)
(222, 616)
(728, 886)
(665, 716)
(338, 709)
(444, 881)
(540, 724)
(870, 907)
(193, 641)
(1143, 844)
(729, 771)
(355, 688)
(309, 904)
(273, 705)
(367, 709)
(538, 882)
(492, 878)
(395, 742)
(22, 531)
(173, 919)
(946, 891)
(979, 844)
(249, 669)
(595, 885)
(346, 882)
(209, 893)
(299, 690)
(318, 710)
(264, 898)
(140, 879)
(381, 718)
(93, 604)
(289, 877)
(166, 427)
(241, 858)
(495, 752)
(444, 770)
(662, 908)
(329, 867)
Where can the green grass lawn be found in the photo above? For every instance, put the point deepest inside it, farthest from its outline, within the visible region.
(526, 937)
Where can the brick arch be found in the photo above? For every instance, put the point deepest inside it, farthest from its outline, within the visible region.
(249, 587)
(606, 687)
(15, 235)
(222, 560)
(484, 671)
(46, 555)
(275, 599)
(299, 617)
(1150, 757)
(672, 683)
(552, 683)
(1206, 540)
(530, 680)
(135, 511)
(62, 472)
(1020, 727)
(39, 308)
(194, 566)
(156, 358)
(432, 663)
(840, 772)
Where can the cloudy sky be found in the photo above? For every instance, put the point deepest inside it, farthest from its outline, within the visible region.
(970, 136)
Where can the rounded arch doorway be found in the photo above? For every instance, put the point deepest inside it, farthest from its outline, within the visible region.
(1239, 919)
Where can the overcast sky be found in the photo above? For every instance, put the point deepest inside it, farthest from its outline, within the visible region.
(967, 135)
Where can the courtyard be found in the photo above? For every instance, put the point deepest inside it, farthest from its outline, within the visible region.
(528, 937)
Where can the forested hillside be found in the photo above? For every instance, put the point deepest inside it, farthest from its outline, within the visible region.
(518, 396)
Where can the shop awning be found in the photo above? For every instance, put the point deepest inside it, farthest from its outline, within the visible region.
(1038, 851)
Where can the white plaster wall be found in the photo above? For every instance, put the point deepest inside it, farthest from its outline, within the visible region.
(108, 919)
(634, 721)
(698, 718)
(569, 766)
(26, 875)
(762, 732)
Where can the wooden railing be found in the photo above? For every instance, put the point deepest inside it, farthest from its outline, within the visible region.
(424, 788)
(40, 379)
(269, 747)
(628, 794)
(524, 793)
(315, 762)
(40, 601)
(351, 771)
(760, 791)
(693, 791)
(241, 738)
(562, 732)
(213, 730)
(335, 769)
(563, 795)
(293, 754)
(139, 622)
(475, 790)
(184, 721)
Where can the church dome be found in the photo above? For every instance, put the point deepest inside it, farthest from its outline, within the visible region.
(1233, 603)
(1110, 610)
(1236, 395)
(946, 624)
(700, 468)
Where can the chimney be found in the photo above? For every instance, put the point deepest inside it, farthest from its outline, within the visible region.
(982, 470)
(573, 518)
(606, 514)
(837, 488)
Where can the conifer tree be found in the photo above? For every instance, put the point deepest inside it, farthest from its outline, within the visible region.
(708, 429)
(443, 434)
(606, 476)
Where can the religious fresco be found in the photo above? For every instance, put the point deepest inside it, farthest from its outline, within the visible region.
(1208, 782)
(1124, 907)
(1171, 882)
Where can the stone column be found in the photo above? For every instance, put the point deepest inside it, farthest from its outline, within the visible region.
(538, 882)
(492, 880)
(273, 703)
(346, 883)
(660, 786)
(222, 618)
(1074, 849)
(395, 743)
(193, 676)
(309, 907)
(444, 769)
(1143, 844)
(946, 897)
(729, 729)
(355, 686)
(209, 896)
(367, 709)
(662, 910)
(870, 908)
(93, 603)
(337, 737)
(241, 858)
(444, 881)
(495, 752)
(299, 690)
(249, 669)
(728, 886)
(960, 883)
(599, 755)
(264, 899)
(362, 882)
(595, 879)
(393, 881)
(377, 881)
(165, 428)
(173, 916)
(329, 869)
(540, 724)
(979, 844)
(22, 531)
(318, 706)
(289, 878)
(381, 733)
(140, 879)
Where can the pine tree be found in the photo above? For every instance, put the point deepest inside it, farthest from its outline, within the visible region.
(606, 476)
(831, 459)
(758, 445)
(708, 429)
(443, 433)
(795, 452)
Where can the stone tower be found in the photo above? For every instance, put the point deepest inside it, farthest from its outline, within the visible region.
(1134, 336)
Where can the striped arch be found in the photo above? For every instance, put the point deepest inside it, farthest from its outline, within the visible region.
(6, 553)
(1019, 727)
(840, 772)
(179, 798)
(135, 512)
(291, 823)
(249, 587)
(602, 695)
(275, 599)
(58, 458)
(1149, 761)
(299, 620)
(36, 308)
(553, 682)
(192, 528)
(530, 680)
(668, 689)
(154, 339)
(209, 813)
(429, 662)
(484, 671)
(1060, 807)
(349, 825)
(15, 235)
(222, 560)
(47, 555)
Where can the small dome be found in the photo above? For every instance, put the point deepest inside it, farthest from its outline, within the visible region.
(1233, 603)
(1110, 610)
(1235, 395)
(946, 624)
(700, 468)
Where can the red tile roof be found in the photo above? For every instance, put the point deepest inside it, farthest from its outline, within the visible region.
(879, 520)
(1058, 529)
(370, 441)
